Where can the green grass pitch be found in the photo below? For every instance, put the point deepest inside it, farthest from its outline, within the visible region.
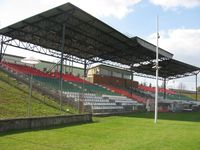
(174, 131)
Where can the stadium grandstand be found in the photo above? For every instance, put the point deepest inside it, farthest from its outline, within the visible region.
(72, 35)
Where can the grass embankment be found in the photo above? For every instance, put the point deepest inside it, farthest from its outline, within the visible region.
(174, 131)
(193, 96)
(14, 98)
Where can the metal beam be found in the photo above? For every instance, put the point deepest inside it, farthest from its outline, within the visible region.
(164, 93)
(41, 50)
(183, 75)
(1, 51)
(61, 64)
(3, 48)
(85, 69)
(131, 80)
(196, 86)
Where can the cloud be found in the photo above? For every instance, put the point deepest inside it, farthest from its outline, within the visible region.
(183, 43)
(168, 4)
(104, 8)
(12, 11)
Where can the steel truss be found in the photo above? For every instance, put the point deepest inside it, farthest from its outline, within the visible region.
(183, 75)
(57, 54)
(3, 48)
(7, 41)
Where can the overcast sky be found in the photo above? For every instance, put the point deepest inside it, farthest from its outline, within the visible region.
(179, 22)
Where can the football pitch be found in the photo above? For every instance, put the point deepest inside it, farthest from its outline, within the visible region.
(173, 131)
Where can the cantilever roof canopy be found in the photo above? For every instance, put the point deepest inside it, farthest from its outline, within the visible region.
(86, 37)
(169, 69)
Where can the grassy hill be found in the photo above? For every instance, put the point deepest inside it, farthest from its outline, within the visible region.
(174, 131)
(193, 96)
(190, 94)
(14, 98)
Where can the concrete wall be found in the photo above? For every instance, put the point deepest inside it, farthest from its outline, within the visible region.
(42, 122)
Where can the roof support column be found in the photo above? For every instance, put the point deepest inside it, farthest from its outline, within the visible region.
(131, 81)
(196, 75)
(164, 92)
(1, 51)
(72, 66)
(82, 97)
(85, 68)
(61, 64)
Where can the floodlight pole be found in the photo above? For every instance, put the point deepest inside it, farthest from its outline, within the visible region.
(61, 64)
(156, 92)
